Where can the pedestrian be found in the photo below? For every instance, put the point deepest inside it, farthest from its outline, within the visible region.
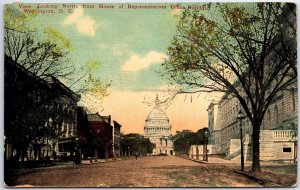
(74, 158)
(136, 155)
(77, 157)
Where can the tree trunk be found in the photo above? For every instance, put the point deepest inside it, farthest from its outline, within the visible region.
(255, 147)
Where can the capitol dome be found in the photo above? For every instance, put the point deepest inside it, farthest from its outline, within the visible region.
(158, 130)
(157, 113)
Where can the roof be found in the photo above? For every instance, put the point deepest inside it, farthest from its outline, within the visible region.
(157, 113)
(51, 81)
(116, 124)
(107, 119)
(94, 117)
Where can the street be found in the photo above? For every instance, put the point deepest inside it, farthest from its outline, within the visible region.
(158, 171)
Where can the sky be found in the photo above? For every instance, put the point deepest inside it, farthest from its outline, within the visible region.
(127, 48)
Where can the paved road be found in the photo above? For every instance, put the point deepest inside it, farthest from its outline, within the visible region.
(161, 171)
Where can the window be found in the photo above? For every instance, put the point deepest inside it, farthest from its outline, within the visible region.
(276, 114)
(269, 118)
(287, 150)
(282, 104)
(293, 99)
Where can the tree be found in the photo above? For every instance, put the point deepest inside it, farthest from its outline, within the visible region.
(44, 52)
(43, 58)
(136, 143)
(35, 109)
(245, 50)
(185, 138)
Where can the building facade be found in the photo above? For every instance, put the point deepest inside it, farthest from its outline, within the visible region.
(100, 137)
(40, 115)
(158, 130)
(116, 140)
(277, 129)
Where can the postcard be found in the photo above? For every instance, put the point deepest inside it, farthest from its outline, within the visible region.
(199, 94)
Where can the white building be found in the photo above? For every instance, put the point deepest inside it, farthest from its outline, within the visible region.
(277, 140)
(158, 130)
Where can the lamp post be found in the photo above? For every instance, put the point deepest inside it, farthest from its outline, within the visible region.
(206, 142)
(240, 117)
(187, 149)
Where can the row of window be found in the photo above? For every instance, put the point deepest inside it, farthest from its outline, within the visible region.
(157, 130)
(228, 115)
(157, 122)
(267, 122)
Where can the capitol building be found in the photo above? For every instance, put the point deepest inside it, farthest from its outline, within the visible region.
(158, 130)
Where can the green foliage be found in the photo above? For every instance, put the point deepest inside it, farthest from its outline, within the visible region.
(212, 52)
(43, 52)
(184, 139)
(15, 20)
(54, 36)
(245, 50)
(136, 143)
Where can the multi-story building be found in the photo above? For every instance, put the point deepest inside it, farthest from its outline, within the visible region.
(278, 126)
(40, 115)
(116, 140)
(100, 136)
(158, 130)
(82, 131)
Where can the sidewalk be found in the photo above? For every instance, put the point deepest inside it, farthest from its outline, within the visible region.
(272, 174)
(88, 161)
(58, 164)
(218, 160)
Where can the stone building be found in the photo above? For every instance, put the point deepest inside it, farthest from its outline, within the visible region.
(158, 130)
(276, 136)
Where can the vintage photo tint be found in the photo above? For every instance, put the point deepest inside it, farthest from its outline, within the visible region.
(150, 94)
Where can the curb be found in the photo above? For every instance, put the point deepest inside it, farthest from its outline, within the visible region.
(102, 161)
(199, 161)
(251, 177)
(61, 165)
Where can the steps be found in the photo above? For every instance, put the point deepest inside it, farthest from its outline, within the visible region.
(234, 155)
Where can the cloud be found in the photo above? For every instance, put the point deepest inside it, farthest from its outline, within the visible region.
(137, 63)
(85, 24)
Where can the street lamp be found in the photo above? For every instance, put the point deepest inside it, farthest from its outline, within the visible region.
(240, 117)
(206, 142)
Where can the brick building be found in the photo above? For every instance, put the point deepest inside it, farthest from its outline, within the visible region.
(100, 136)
